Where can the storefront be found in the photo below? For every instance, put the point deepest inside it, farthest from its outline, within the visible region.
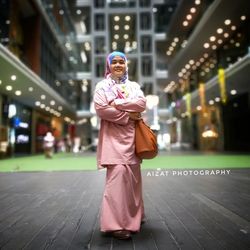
(15, 128)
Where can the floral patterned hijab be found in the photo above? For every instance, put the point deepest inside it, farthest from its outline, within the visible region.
(117, 88)
(109, 59)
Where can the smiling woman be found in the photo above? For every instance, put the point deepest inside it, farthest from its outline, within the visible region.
(118, 103)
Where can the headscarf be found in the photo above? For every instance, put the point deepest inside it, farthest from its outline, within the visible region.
(109, 59)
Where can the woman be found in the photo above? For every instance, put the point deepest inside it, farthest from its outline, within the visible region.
(119, 103)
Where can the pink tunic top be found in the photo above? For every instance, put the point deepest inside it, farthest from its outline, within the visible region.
(117, 131)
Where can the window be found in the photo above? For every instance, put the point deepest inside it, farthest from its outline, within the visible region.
(99, 3)
(146, 66)
(146, 44)
(99, 67)
(145, 3)
(145, 21)
(100, 45)
(122, 3)
(99, 22)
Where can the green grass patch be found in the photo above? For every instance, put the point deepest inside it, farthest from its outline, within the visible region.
(198, 162)
(73, 162)
(59, 162)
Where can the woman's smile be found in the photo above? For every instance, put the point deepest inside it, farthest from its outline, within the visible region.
(118, 66)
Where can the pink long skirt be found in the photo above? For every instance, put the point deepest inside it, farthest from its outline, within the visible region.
(122, 204)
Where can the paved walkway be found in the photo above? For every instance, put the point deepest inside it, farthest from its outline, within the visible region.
(185, 210)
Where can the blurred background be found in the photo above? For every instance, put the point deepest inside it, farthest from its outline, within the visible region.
(191, 58)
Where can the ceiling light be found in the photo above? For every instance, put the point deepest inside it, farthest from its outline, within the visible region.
(189, 17)
(217, 99)
(191, 61)
(233, 27)
(9, 87)
(42, 106)
(18, 92)
(78, 12)
(68, 46)
(116, 36)
(30, 89)
(198, 107)
(205, 55)
(116, 27)
(126, 27)
(37, 103)
(219, 30)
(212, 38)
(0, 82)
(13, 77)
(197, 2)
(206, 45)
(169, 53)
(43, 97)
(116, 18)
(176, 39)
(211, 102)
(173, 104)
(125, 36)
(127, 18)
(52, 102)
(61, 12)
(214, 47)
(226, 35)
(227, 22)
(57, 83)
(193, 10)
(170, 9)
(220, 41)
(185, 23)
(60, 108)
(71, 82)
(243, 18)
(155, 10)
(233, 92)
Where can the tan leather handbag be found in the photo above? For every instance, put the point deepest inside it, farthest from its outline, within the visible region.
(145, 141)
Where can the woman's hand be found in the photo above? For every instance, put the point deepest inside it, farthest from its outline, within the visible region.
(135, 116)
(112, 104)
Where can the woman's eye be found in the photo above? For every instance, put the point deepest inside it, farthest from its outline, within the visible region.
(115, 62)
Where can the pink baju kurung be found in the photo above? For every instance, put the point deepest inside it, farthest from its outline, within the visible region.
(122, 205)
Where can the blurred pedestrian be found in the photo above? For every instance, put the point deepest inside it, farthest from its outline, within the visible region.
(68, 143)
(48, 144)
(119, 103)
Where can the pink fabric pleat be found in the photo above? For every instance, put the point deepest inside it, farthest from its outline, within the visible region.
(122, 205)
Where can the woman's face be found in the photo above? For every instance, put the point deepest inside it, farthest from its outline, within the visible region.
(118, 66)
